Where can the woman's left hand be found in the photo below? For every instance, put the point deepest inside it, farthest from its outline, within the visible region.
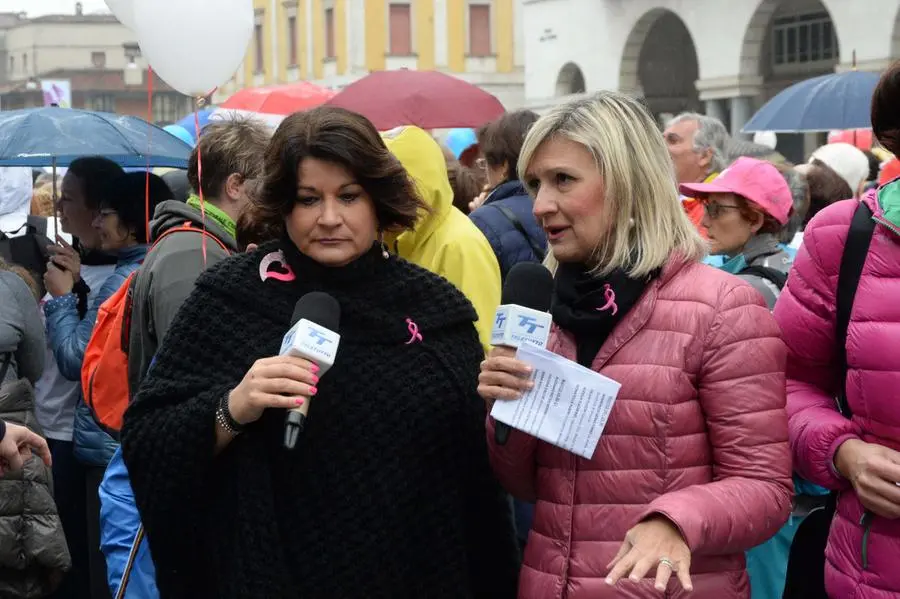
(58, 281)
(653, 543)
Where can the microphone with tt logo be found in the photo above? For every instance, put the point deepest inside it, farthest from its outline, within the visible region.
(523, 317)
(312, 336)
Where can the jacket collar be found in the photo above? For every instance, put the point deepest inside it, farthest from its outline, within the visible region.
(760, 246)
(132, 254)
(173, 213)
(505, 190)
(885, 206)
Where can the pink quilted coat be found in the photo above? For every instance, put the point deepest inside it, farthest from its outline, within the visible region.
(698, 434)
(859, 565)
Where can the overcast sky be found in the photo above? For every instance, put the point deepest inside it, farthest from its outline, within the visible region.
(36, 8)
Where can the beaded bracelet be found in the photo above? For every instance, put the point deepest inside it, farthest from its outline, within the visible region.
(225, 419)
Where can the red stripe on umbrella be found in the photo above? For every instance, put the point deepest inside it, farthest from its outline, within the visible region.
(279, 99)
(427, 99)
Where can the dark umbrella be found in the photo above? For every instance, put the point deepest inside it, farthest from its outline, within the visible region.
(427, 99)
(839, 101)
(54, 136)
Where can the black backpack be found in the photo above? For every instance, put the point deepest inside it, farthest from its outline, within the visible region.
(806, 562)
(28, 250)
(776, 277)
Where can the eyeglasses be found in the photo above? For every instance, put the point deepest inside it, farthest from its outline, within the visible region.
(714, 209)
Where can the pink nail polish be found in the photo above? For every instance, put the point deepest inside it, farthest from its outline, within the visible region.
(299, 401)
(315, 379)
(315, 368)
(313, 390)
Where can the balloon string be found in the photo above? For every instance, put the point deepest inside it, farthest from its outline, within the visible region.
(200, 176)
(149, 149)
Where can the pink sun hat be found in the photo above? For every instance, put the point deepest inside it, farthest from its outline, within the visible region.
(754, 180)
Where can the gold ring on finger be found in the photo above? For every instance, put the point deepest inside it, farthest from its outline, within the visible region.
(664, 561)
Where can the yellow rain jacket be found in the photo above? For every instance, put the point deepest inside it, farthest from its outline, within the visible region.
(445, 242)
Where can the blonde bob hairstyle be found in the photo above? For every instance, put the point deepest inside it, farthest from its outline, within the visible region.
(647, 223)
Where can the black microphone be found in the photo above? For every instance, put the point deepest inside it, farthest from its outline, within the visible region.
(312, 336)
(523, 316)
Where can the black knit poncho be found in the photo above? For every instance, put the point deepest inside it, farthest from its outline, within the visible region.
(389, 492)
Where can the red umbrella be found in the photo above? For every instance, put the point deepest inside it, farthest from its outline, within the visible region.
(427, 99)
(860, 138)
(278, 99)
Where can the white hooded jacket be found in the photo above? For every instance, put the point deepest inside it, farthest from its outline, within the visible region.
(15, 198)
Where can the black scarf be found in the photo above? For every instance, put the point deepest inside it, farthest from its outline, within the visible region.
(89, 257)
(590, 306)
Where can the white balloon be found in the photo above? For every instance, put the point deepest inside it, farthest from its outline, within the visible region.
(124, 11)
(766, 138)
(194, 45)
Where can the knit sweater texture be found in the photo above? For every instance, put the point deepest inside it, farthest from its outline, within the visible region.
(389, 492)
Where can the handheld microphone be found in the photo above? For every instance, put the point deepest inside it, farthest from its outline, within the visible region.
(523, 316)
(312, 336)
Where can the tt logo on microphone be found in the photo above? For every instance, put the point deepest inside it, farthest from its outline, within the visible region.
(501, 318)
(319, 337)
(531, 323)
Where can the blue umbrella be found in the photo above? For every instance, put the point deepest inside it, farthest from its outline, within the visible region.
(840, 101)
(54, 136)
(181, 133)
(188, 122)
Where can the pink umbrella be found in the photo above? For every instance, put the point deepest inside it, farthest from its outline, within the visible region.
(427, 99)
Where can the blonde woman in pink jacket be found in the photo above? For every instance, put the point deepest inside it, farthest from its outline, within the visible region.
(693, 466)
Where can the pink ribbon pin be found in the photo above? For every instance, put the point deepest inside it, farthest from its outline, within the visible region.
(414, 333)
(610, 296)
(275, 259)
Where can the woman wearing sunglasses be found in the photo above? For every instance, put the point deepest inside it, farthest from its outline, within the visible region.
(746, 208)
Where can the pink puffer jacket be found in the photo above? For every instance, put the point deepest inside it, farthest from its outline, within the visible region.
(698, 434)
(859, 565)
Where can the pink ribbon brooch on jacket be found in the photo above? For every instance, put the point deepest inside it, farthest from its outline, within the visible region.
(274, 266)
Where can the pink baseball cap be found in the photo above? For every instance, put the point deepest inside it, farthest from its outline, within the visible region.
(755, 180)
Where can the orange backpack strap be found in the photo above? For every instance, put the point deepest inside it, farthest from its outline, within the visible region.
(190, 226)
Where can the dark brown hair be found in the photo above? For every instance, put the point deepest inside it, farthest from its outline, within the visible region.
(464, 184)
(885, 116)
(501, 140)
(342, 137)
(825, 188)
(249, 227)
(227, 148)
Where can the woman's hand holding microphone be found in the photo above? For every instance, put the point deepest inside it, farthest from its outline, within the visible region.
(280, 382)
(503, 376)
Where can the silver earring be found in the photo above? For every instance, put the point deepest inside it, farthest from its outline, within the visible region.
(384, 250)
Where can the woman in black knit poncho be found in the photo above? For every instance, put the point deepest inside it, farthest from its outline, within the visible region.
(389, 492)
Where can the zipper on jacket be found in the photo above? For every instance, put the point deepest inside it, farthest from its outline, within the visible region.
(866, 523)
(887, 225)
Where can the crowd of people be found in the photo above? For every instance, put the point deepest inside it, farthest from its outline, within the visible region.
(732, 296)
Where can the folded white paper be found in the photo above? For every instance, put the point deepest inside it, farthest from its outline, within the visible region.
(568, 406)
